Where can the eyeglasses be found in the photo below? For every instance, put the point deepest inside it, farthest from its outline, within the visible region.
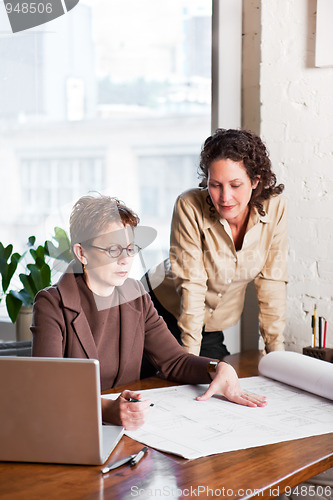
(115, 251)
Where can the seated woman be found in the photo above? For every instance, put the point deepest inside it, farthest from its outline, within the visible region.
(96, 311)
(228, 232)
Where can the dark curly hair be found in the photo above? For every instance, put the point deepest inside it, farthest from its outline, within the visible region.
(241, 145)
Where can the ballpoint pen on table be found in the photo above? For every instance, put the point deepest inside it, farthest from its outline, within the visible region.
(117, 464)
(320, 319)
(138, 457)
(131, 459)
(313, 331)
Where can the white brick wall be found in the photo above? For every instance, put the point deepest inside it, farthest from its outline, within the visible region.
(296, 122)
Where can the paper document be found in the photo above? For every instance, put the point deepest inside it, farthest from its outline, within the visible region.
(181, 425)
(304, 372)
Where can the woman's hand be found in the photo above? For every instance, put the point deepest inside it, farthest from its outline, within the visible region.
(226, 383)
(123, 412)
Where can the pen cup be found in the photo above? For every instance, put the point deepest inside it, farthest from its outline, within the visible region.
(326, 354)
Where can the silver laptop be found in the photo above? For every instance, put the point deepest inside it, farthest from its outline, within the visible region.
(50, 411)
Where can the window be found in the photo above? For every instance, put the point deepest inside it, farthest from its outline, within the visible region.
(160, 178)
(49, 183)
(115, 97)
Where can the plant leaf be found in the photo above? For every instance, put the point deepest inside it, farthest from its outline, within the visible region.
(13, 306)
(63, 250)
(45, 273)
(23, 296)
(38, 255)
(28, 285)
(7, 270)
(40, 276)
(3, 266)
(8, 251)
(5, 252)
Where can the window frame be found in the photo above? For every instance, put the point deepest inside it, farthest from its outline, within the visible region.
(226, 64)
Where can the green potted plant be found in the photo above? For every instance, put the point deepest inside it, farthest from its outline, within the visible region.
(36, 274)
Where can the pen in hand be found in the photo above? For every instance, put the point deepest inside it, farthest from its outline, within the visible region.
(133, 400)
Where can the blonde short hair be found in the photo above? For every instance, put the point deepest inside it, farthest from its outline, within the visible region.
(91, 216)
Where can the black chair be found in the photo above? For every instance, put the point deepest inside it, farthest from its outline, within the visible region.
(22, 348)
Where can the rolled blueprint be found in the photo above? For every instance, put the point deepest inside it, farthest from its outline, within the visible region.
(307, 373)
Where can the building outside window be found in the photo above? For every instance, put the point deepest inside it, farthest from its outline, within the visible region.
(49, 183)
(113, 97)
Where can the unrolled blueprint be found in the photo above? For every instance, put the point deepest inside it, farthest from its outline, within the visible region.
(181, 425)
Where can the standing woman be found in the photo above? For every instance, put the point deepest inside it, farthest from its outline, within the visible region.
(228, 232)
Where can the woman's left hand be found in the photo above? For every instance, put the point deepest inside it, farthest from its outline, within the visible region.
(227, 384)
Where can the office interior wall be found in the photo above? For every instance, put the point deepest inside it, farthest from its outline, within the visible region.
(289, 102)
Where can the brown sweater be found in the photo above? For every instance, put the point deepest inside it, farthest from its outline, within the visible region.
(104, 321)
(67, 323)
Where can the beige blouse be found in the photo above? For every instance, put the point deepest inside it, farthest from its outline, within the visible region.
(204, 281)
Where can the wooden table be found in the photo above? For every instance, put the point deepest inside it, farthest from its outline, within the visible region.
(238, 474)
